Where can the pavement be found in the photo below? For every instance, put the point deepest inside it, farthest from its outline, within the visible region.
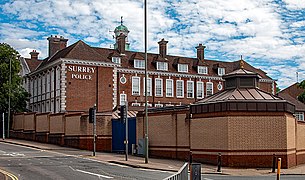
(156, 163)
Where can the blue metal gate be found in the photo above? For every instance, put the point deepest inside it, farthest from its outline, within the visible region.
(118, 134)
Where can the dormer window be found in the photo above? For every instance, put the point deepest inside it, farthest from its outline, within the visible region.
(221, 71)
(116, 60)
(202, 69)
(183, 68)
(140, 64)
(163, 66)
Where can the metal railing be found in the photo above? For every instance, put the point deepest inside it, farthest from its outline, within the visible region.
(182, 174)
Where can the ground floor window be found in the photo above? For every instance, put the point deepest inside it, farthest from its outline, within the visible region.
(299, 116)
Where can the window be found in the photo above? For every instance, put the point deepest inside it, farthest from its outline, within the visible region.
(163, 66)
(149, 86)
(159, 87)
(116, 60)
(169, 88)
(209, 88)
(299, 116)
(135, 85)
(182, 67)
(139, 64)
(180, 89)
(221, 71)
(200, 90)
(202, 70)
(123, 99)
(158, 105)
(219, 86)
(190, 89)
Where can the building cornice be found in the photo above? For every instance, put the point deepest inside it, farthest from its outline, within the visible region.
(92, 63)
(138, 71)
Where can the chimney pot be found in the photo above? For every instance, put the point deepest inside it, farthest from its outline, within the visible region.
(162, 47)
(200, 51)
(34, 55)
(56, 44)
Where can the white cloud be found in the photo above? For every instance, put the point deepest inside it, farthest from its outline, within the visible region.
(295, 4)
(255, 29)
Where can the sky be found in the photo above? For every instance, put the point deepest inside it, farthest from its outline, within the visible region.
(269, 34)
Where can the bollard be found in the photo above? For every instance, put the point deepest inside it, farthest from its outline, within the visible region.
(273, 163)
(190, 160)
(278, 169)
(219, 163)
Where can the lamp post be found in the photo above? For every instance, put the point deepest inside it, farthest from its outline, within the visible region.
(9, 101)
(146, 116)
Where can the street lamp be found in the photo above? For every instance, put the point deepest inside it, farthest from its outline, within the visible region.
(146, 116)
(9, 100)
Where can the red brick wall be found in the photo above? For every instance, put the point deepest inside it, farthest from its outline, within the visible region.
(80, 93)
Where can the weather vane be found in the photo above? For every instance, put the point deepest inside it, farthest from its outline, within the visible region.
(241, 62)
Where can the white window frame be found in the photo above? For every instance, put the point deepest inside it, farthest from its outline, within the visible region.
(178, 89)
(123, 99)
(221, 71)
(116, 60)
(200, 90)
(135, 87)
(140, 64)
(149, 86)
(299, 116)
(190, 89)
(207, 90)
(162, 66)
(202, 69)
(183, 68)
(169, 88)
(161, 87)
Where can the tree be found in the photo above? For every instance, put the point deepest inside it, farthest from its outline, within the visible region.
(301, 97)
(18, 94)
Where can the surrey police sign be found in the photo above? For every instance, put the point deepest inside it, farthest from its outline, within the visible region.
(81, 72)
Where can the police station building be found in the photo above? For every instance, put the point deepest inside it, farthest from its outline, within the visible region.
(74, 78)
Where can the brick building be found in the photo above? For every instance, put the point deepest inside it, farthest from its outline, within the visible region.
(76, 77)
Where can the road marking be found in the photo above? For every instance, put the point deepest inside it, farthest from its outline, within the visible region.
(12, 176)
(207, 179)
(94, 174)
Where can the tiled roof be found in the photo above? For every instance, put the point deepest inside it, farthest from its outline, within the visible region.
(33, 63)
(299, 106)
(82, 51)
(293, 90)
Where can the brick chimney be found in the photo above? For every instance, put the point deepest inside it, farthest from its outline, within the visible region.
(162, 47)
(121, 43)
(200, 52)
(56, 43)
(34, 55)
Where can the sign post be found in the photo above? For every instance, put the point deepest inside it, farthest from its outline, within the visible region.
(3, 131)
(92, 119)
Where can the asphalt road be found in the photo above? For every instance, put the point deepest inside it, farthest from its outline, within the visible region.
(272, 177)
(33, 164)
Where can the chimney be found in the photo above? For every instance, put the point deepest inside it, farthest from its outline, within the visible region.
(200, 52)
(56, 43)
(162, 47)
(121, 43)
(34, 55)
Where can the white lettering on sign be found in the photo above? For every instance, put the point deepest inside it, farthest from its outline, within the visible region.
(79, 70)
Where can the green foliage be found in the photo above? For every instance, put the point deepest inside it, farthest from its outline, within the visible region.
(278, 89)
(301, 97)
(18, 94)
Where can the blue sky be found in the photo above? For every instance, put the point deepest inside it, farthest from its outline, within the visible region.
(269, 34)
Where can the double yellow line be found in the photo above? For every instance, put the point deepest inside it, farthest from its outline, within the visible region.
(10, 175)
